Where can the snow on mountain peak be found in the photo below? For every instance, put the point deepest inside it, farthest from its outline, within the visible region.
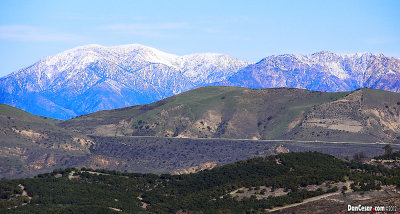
(131, 65)
(83, 55)
(131, 55)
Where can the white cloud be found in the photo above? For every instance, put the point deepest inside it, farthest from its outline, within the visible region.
(34, 34)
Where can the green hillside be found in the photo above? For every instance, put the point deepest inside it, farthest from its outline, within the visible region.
(210, 112)
(365, 115)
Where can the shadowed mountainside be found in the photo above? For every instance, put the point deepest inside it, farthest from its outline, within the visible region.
(31, 144)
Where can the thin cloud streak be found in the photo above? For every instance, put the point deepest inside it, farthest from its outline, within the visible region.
(161, 30)
(147, 27)
(26, 33)
(101, 18)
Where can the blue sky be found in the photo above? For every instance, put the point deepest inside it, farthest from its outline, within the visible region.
(247, 30)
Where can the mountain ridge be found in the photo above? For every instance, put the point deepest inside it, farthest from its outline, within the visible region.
(321, 71)
(91, 78)
(85, 79)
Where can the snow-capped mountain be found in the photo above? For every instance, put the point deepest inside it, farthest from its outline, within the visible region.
(91, 78)
(322, 71)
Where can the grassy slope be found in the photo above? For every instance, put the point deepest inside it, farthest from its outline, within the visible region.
(9, 111)
(231, 112)
(228, 112)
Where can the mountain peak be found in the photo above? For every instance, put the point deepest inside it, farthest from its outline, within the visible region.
(93, 77)
(323, 52)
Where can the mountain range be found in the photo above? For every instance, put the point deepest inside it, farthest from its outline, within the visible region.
(91, 78)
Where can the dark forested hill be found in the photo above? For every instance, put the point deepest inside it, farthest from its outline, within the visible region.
(253, 185)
